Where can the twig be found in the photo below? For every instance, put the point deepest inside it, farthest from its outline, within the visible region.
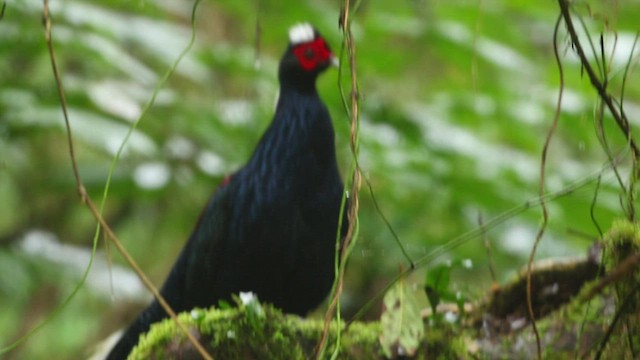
(487, 246)
(543, 205)
(623, 308)
(631, 194)
(78, 286)
(404, 251)
(583, 234)
(627, 266)
(474, 233)
(619, 116)
(629, 206)
(4, 6)
(627, 68)
(90, 204)
(602, 137)
(356, 183)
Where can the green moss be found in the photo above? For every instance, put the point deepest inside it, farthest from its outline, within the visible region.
(589, 320)
(623, 231)
(240, 334)
(621, 241)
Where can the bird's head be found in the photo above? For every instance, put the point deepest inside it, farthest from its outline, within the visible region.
(307, 56)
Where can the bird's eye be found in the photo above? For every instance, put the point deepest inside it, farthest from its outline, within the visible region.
(309, 54)
(312, 54)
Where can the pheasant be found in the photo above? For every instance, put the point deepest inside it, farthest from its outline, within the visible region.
(271, 227)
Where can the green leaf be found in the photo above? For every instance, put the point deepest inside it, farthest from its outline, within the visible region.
(402, 327)
(437, 284)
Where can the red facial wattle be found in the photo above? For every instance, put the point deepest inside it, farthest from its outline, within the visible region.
(312, 54)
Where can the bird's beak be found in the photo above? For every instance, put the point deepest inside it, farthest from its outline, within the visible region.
(334, 61)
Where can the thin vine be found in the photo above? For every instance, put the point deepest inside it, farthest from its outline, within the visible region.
(97, 213)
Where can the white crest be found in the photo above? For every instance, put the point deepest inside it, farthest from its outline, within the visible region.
(301, 33)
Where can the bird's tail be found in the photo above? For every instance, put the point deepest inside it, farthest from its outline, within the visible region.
(131, 336)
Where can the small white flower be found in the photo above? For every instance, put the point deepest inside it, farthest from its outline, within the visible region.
(450, 317)
(195, 314)
(247, 297)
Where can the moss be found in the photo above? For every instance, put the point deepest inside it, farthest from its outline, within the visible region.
(620, 241)
(623, 243)
(623, 231)
(238, 334)
(577, 329)
(569, 331)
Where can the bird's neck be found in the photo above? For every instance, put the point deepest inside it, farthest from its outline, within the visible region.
(298, 144)
(299, 88)
(301, 120)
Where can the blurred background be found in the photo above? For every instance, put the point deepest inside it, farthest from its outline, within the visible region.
(457, 99)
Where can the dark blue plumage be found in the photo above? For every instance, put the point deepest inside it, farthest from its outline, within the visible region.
(272, 228)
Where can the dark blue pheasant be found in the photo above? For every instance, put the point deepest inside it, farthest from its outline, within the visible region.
(271, 228)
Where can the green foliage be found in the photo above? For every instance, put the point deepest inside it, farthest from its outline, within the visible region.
(457, 98)
(230, 334)
(401, 322)
(233, 334)
(438, 287)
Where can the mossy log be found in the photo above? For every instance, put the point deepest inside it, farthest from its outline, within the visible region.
(584, 308)
(240, 333)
